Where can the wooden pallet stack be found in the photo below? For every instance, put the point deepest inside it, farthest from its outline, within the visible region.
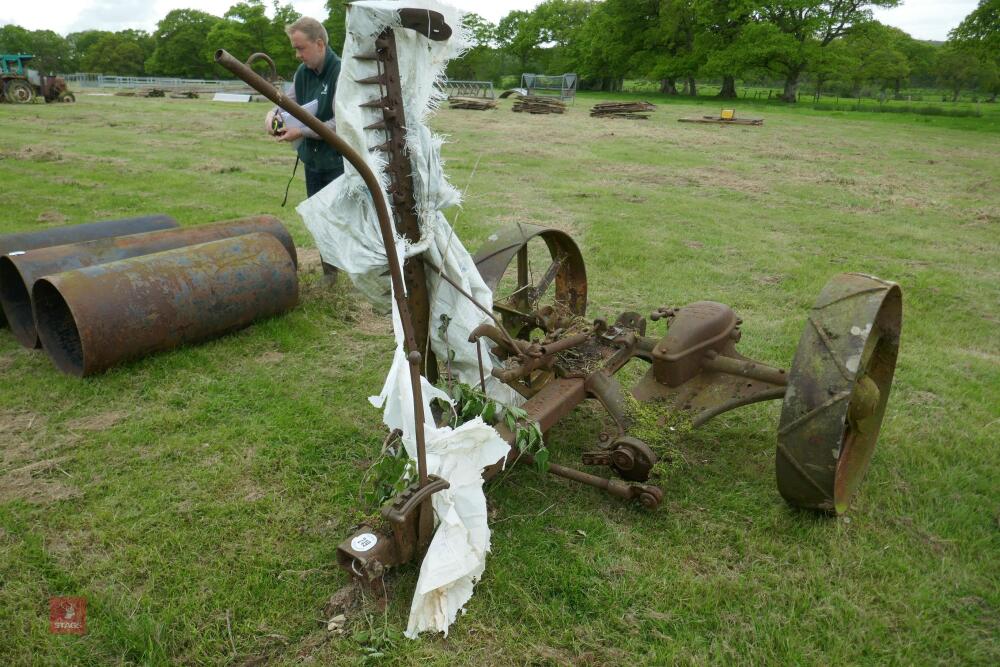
(535, 105)
(473, 103)
(631, 110)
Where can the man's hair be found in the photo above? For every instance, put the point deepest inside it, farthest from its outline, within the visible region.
(311, 28)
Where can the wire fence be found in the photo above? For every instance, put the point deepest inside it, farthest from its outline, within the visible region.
(82, 80)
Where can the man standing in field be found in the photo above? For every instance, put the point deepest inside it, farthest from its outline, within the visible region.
(315, 80)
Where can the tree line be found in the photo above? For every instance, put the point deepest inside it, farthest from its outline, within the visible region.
(833, 46)
(830, 46)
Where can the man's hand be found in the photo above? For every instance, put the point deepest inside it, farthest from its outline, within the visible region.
(291, 134)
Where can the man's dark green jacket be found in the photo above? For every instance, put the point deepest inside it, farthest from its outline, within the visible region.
(321, 87)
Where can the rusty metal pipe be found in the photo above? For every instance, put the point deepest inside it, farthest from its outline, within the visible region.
(414, 353)
(88, 231)
(93, 318)
(745, 368)
(18, 273)
(564, 344)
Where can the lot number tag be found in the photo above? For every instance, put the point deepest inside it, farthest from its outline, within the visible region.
(364, 542)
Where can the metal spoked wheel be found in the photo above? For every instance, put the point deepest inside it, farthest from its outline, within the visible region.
(19, 92)
(67, 96)
(838, 387)
(533, 269)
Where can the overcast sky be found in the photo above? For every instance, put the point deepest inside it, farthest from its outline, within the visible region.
(923, 19)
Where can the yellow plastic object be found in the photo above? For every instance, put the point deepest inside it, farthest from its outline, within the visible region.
(728, 114)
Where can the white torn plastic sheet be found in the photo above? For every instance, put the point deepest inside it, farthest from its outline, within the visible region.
(344, 225)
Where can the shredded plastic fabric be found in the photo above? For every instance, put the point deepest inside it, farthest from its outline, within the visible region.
(344, 225)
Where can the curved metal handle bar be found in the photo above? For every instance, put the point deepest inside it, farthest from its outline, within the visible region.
(266, 58)
(413, 356)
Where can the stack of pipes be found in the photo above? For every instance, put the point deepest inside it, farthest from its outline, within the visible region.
(97, 294)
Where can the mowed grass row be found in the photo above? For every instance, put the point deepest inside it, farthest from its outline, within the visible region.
(196, 498)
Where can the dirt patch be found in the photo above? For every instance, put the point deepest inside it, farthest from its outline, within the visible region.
(35, 154)
(309, 260)
(694, 245)
(50, 216)
(368, 320)
(19, 431)
(39, 483)
(271, 358)
(98, 422)
(769, 280)
(6, 362)
(216, 167)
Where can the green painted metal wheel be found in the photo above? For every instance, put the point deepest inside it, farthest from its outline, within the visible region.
(838, 387)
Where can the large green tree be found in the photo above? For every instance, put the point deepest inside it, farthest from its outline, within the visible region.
(789, 33)
(246, 29)
(336, 23)
(876, 57)
(52, 52)
(720, 24)
(182, 44)
(976, 39)
(118, 53)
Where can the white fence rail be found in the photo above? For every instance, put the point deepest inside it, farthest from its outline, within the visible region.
(165, 83)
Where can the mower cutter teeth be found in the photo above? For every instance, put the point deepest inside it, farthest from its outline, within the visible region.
(377, 80)
(377, 103)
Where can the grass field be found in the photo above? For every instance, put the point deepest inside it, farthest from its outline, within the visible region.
(196, 498)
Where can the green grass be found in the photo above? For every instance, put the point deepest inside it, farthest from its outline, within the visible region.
(196, 498)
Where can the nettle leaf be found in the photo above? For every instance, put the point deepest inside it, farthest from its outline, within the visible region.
(542, 459)
(517, 412)
(489, 412)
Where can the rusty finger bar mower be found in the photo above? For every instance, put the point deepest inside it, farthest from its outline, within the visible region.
(18, 273)
(92, 318)
(413, 350)
(19, 243)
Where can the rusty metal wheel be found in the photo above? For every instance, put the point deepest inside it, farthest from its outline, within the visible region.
(67, 97)
(19, 92)
(838, 387)
(547, 271)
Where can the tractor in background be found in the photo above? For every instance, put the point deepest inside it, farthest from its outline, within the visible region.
(20, 85)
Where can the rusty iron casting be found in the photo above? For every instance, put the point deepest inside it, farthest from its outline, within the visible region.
(19, 243)
(92, 318)
(518, 309)
(19, 272)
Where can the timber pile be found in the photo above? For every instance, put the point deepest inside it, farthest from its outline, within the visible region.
(536, 105)
(473, 103)
(143, 92)
(716, 120)
(632, 110)
(184, 95)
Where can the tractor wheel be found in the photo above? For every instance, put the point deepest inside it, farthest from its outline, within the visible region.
(838, 387)
(528, 268)
(66, 96)
(19, 92)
